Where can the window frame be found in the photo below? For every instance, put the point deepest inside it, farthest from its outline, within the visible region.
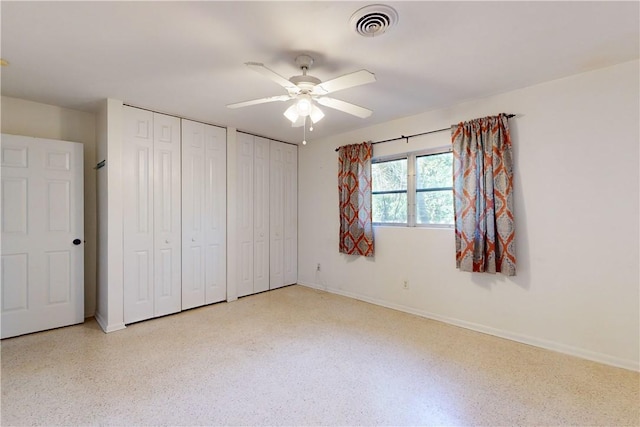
(385, 159)
(412, 191)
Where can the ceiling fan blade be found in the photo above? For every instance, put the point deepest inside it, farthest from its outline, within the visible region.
(270, 74)
(259, 101)
(345, 107)
(356, 78)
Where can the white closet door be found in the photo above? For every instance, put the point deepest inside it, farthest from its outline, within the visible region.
(42, 266)
(166, 213)
(245, 184)
(261, 215)
(276, 216)
(138, 217)
(290, 214)
(215, 219)
(193, 242)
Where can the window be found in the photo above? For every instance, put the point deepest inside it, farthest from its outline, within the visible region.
(414, 189)
(389, 191)
(434, 189)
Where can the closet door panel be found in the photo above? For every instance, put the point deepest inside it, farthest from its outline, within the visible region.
(290, 214)
(138, 221)
(193, 244)
(215, 218)
(261, 215)
(276, 215)
(166, 210)
(245, 188)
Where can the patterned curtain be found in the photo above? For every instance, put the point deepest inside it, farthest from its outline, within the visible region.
(354, 187)
(483, 194)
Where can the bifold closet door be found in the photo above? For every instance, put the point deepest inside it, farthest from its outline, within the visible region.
(245, 185)
(283, 215)
(261, 215)
(203, 214)
(151, 214)
(253, 214)
(276, 215)
(290, 214)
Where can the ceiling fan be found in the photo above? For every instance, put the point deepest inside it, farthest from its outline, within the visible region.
(306, 89)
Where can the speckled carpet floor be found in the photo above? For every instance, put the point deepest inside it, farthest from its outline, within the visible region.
(297, 356)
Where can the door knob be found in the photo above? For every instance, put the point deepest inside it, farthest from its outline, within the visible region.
(77, 241)
(193, 239)
(166, 241)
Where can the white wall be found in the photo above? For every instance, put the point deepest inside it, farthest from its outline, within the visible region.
(20, 117)
(110, 308)
(576, 148)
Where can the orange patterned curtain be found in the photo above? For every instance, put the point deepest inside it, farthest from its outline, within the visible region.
(354, 187)
(483, 196)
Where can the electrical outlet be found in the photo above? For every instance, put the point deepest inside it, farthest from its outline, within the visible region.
(405, 284)
(318, 267)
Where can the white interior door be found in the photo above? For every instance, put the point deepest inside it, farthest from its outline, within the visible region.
(42, 268)
(290, 214)
(215, 219)
(138, 218)
(166, 215)
(193, 239)
(245, 214)
(276, 215)
(261, 215)
(204, 218)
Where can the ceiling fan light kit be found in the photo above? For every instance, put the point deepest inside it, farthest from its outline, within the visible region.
(303, 105)
(316, 114)
(291, 113)
(308, 90)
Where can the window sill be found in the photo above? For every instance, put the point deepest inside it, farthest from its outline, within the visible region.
(396, 225)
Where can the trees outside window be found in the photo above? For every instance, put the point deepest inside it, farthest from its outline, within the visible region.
(389, 191)
(415, 189)
(434, 189)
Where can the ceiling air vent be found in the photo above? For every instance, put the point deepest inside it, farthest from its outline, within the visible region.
(373, 20)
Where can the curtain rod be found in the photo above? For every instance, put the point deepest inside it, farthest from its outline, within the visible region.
(419, 134)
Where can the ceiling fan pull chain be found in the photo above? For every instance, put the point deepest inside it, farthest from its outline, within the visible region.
(304, 140)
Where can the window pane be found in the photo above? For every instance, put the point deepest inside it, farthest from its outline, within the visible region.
(434, 207)
(434, 171)
(390, 208)
(391, 175)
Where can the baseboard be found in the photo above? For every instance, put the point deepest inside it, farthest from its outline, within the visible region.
(105, 327)
(524, 339)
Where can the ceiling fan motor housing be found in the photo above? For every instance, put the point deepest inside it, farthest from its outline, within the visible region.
(305, 82)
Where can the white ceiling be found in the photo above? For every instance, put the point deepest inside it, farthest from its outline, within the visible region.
(186, 58)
